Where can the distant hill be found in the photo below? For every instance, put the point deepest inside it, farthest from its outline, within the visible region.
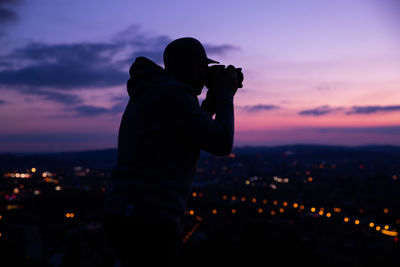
(100, 159)
(106, 159)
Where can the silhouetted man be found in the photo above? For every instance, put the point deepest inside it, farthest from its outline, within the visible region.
(161, 134)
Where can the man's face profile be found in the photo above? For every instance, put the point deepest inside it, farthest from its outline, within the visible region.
(186, 60)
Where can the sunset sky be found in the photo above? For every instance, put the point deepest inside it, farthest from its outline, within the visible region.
(316, 72)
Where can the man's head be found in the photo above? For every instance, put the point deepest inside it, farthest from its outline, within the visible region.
(186, 59)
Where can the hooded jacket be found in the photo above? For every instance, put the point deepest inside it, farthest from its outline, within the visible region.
(160, 137)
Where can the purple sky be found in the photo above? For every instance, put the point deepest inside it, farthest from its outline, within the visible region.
(320, 72)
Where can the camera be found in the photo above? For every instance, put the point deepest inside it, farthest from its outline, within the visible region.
(212, 74)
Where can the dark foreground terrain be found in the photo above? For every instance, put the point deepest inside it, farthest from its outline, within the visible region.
(303, 205)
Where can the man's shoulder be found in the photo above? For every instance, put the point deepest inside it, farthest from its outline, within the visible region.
(174, 87)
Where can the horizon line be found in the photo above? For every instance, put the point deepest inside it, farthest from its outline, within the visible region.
(235, 147)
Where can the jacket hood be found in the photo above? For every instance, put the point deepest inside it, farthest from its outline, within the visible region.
(143, 74)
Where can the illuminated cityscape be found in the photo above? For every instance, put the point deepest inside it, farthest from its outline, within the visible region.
(320, 74)
(323, 205)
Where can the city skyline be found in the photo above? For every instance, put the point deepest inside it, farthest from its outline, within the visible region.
(315, 73)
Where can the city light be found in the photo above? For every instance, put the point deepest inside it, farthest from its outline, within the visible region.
(48, 179)
(17, 175)
(232, 155)
(14, 207)
(337, 209)
(386, 210)
(19, 190)
(389, 233)
(70, 215)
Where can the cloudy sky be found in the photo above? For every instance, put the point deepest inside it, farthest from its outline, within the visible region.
(316, 72)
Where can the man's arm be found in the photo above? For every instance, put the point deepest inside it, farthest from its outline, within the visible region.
(209, 103)
(196, 127)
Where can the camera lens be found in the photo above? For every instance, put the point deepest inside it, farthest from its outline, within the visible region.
(239, 75)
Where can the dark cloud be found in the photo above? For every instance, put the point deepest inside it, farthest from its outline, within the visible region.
(60, 97)
(83, 65)
(372, 109)
(81, 110)
(6, 14)
(319, 111)
(47, 138)
(63, 66)
(324, 110)
(258, 108)
(387, 130)
(88, 111)
(52, 70)
(120, 104)
(5, 2)
(2, 101)
(219, 49)
(120, 98)
(91, 111)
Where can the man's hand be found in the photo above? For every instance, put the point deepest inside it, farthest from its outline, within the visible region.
(222, 81)
(209, 103)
